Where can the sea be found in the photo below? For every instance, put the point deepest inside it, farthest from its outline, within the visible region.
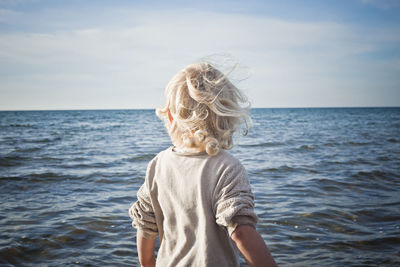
(326, 183)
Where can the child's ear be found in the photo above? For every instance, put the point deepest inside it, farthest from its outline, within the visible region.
(170, 116)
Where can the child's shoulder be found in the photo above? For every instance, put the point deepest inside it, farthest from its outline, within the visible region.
(230, 172)
(228, 166)
(227, 158)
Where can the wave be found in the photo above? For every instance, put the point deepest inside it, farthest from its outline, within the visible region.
(41, 177)
(306, 147)
(141, 157)
(11, 161)
(29, 250)
(27, 150)
(367, 244)
(377, 214)
(94, 165)
(266, 144)
(22, 125)
(330, 144)
(375, 175)
(44, 140)
(354, 143)
(283, 168)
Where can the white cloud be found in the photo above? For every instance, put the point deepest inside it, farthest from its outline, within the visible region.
(127, 65)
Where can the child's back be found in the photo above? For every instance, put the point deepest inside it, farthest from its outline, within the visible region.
(197, 200)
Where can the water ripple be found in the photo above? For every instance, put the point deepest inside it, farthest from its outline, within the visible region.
(326, 185)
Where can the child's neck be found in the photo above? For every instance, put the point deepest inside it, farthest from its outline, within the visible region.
(185, 149)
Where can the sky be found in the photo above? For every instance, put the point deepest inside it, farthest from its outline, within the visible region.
(121, 54)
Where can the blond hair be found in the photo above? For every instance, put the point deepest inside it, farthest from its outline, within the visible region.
(205, 108)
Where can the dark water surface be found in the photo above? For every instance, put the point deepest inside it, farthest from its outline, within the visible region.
(326, 181)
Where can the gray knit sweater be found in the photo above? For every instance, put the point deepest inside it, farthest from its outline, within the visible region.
(193, 202)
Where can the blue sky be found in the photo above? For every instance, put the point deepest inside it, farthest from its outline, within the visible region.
(121, 54)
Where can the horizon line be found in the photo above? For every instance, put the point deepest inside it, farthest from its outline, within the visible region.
(105, 109)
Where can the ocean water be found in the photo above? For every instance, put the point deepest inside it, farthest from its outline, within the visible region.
(326, 182)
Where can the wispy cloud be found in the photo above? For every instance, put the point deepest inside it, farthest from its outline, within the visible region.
(110, 64)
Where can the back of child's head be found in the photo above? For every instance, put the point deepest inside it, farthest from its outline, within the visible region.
(205, 109)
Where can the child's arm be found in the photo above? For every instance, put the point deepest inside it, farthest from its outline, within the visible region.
(252, 246)
(146, 251)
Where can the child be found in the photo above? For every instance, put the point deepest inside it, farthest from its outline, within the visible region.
(196, 196)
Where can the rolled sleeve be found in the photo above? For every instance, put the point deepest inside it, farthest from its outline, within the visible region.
(143, 215)
(235, 200)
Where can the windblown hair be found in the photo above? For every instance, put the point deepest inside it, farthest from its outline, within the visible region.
(205, 108)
